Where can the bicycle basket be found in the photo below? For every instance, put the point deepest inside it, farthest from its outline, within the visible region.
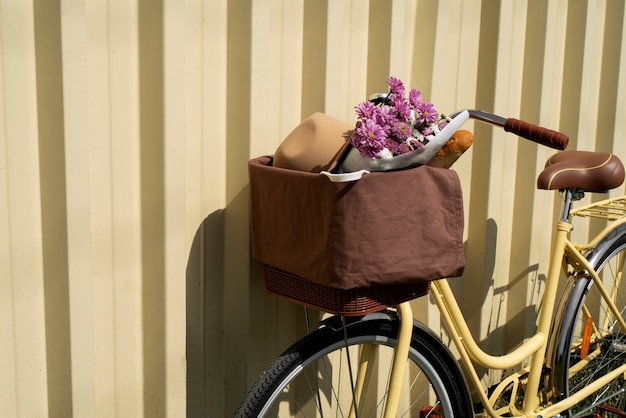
(393, 228)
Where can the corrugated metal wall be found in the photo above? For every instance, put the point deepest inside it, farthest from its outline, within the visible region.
(126, 285)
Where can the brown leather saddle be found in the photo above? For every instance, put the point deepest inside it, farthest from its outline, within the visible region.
(585, 171)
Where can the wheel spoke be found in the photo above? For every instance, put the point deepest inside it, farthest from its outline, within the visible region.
(598, 342)
(319, 375)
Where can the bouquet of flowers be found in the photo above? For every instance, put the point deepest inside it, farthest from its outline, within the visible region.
(393, 124)
(395, 131)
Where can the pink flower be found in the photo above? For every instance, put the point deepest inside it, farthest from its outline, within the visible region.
(366, 110)
(401, 106)
(369, 138)
(396, 86)
(415, 98)
(393, 146)
(385, 115)
(426, 113)
(404, 148)
(395, 125)
(415, 144)
(401, 130)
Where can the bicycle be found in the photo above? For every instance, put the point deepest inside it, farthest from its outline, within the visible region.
(574, 365)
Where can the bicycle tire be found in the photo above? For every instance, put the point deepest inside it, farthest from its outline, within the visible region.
(280, 390)
(606, 348)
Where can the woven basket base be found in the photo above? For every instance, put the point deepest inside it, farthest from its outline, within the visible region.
(352, 302)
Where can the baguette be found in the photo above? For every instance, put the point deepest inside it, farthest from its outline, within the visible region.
(460, 141)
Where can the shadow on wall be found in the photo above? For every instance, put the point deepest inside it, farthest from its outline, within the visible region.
(480, 258)
(205, 316)
(508, 320)
(228, 346)
(274, 324)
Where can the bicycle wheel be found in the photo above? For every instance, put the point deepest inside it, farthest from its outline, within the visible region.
(315, 376)
(590, 342)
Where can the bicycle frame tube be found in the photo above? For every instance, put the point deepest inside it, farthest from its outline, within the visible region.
(572, 250)
(567, 403)
(564, 253)
(399, 359)
(401, 353)
(534, 347)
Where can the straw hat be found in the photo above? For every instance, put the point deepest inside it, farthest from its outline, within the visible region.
(315, 145)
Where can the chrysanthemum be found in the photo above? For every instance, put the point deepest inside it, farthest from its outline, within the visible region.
(385, 115)
(415, 98)
(396, 86)
(404, 148)
(392, 146)
(415, 144)
(371, 130)
(401, 106)
(369, 137)
(397, 124)
(401, 130)
(426, 113)
(366, 110)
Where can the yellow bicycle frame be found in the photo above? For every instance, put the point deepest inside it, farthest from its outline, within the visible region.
(534, 347)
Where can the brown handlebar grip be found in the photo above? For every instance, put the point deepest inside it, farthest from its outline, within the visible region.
(543, 136)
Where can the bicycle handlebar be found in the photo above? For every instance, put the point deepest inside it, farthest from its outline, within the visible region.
(538, 134)
(535, 133)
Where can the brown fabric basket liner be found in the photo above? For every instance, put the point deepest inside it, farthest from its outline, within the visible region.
(392, 228)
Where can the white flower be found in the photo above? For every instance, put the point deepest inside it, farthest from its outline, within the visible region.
(417, 135)
(385, 154)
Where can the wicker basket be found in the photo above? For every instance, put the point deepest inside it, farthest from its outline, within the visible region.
(351, 302)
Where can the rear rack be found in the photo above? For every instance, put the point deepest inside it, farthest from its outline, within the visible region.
(610, 209)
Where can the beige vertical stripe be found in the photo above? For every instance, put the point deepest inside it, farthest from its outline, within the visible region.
(126, 284)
